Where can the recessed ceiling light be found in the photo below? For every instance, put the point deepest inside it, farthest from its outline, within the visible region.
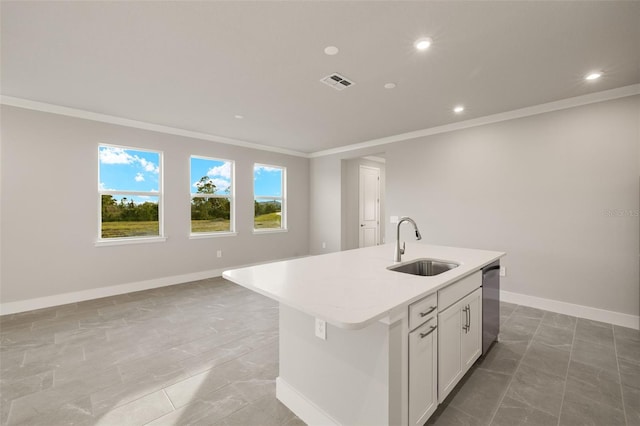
(331, 50)
(238, 116)
(422, 43)
(458, 109)
(593, 76)
(390, 86)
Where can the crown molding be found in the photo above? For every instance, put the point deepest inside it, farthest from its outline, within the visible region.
(590, 98)
(111, 119)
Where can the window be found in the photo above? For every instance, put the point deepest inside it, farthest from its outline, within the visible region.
(130, 190)
(211, 195)
(269, 197)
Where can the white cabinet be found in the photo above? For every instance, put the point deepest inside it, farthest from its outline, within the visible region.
(471, 336)
(423, 361)
(459, 340)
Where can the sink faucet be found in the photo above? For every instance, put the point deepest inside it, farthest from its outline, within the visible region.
(400, 251)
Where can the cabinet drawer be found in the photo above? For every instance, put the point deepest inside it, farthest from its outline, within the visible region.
(422, 310)
(456, 291)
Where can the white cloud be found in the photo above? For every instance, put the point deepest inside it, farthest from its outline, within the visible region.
(139, 177)
(267, 169)
(112, 155)
(223, 171)
(102, 187)
(222, 185)
(147, 165)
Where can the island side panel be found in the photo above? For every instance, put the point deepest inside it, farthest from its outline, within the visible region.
(347, 376)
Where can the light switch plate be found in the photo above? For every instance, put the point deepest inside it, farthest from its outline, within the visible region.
(321, 329)
(394, 219)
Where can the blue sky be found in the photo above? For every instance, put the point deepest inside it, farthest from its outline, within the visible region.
(129, 170)
(218, 171)
(267, 180)
(123, 169)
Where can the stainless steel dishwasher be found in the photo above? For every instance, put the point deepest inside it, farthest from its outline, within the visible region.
(490, 305)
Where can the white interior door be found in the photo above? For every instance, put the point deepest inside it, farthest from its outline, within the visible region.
(369, 206)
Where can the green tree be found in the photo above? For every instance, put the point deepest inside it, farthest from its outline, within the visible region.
(206, 186)
(205, 208)
(110, 211)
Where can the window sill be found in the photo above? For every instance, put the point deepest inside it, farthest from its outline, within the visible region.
(270, 231)
(202, 235)
(129, 241)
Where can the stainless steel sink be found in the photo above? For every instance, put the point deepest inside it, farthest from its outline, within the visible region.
(424, 267)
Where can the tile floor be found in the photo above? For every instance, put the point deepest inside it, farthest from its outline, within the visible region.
(202, 353)
(550, 369)
(206, 353)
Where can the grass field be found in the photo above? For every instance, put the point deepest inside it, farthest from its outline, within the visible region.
(216, 225)
(130, 229)
(150, 229)
(267, 221)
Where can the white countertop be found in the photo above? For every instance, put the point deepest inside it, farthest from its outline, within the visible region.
(351, 289)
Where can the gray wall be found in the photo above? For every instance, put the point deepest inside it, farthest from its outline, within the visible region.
(559, 192)
(49, 208)
(325, 214)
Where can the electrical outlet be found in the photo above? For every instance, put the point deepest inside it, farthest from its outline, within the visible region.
(394, 219)
(324, 245)
(321, 329)
(503, 271)
(219, 253)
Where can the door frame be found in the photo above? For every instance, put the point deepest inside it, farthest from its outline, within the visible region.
(360, 197)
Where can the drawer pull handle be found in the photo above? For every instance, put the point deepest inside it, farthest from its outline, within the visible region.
(466, 325)
(423, 335)
(431, 309)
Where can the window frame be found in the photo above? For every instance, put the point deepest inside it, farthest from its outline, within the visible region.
(283, 200)
(231, 197)
(161, 237)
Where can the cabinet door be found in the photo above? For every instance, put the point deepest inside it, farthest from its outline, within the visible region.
(471, 337)
(423, 370)
(449, 365)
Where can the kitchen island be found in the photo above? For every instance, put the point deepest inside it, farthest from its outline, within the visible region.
(357, 370)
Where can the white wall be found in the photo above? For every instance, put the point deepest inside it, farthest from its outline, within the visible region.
(329, 206)
(540, 188)
(358, 366)
(325, 205)
(49, 208)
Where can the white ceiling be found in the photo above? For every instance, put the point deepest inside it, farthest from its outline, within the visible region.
(195, 65)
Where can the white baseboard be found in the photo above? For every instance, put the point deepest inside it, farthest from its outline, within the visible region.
(114, 290)
(611, 317)
(96, 293)
(306, 410)
(587, 312)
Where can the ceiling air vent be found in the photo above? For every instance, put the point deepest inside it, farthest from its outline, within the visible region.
(337, 81)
